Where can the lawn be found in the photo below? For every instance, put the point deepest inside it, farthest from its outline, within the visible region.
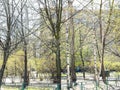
(29, 88)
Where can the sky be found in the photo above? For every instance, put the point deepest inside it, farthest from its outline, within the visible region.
(81, 3)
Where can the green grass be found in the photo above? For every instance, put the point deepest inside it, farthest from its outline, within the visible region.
(31, 88)
(28, 88)
(10, 88)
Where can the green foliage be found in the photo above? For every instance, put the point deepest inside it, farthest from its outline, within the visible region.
(109, 65)
(87, 53)
(113, 66)
(15, 64)
(1, 62)
(43, 65)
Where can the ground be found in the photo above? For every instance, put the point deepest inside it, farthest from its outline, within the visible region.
(46, 84)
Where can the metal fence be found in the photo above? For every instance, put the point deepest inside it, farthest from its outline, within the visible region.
(84, 85)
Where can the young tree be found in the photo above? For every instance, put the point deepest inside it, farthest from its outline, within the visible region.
(114, 43)
(23, 33)
(69, 83)
(81, 52)
(104, 32)
(72, 42)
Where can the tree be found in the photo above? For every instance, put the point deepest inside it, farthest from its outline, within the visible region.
(72, 42)
(114, 42)
(104, 32)
(69, 83)
(23, 33)
(9, 39)
(81, 52)
(49, 11)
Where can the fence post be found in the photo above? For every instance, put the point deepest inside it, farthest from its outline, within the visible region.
(116, 82)
(22, 86)
(58, 87)
(96, 85)
(81, 86)
(107, 86)
(107, 83)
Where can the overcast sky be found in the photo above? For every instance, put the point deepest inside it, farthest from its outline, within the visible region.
(96, 3)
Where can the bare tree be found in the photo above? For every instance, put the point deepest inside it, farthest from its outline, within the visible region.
(10, 37)
(81, 52)
(23, 33)
(69, 84)
(72, 42)
(49, 10)
(103, 35)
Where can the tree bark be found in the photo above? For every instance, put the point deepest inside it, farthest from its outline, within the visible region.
(68, 55)
(95, 60)
(73, 73)
(25, 82)
(81, 53)
(83, 64)
(26, 78)
(3, 67)
(102, 44)
(102, 61)
(58, 64)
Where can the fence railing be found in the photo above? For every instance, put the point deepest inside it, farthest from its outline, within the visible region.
(84, 85)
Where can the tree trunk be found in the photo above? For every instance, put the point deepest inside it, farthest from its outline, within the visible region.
(68, 55)
(73, 73)
(83, 64)
(102, 62)
(102, 43)
(103, 73)
(3, 67)
(81, 53)
(26, 82)
(96, 77)
(58, 64)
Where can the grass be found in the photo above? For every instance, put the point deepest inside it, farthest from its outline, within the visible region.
(39, 88)
(29, 88)
(9, 88)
